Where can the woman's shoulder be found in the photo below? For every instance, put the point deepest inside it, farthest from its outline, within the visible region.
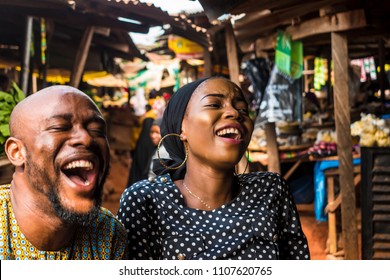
(265, 182)
(147, 186)
(261, 176)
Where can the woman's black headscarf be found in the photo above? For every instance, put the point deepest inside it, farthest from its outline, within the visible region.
(171, 123)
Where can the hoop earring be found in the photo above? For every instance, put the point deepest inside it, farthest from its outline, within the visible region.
(158, 152)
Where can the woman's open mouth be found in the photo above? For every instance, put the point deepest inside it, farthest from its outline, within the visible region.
(231, 132)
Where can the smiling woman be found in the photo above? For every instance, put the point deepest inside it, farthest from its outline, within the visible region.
(198, 207)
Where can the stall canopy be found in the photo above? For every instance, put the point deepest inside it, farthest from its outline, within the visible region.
(59, 27)
(256, 22)
(337, 29)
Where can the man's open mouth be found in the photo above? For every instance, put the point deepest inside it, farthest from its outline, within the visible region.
(80, 172)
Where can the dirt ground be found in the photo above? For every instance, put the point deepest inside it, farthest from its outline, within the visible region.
(316, 232)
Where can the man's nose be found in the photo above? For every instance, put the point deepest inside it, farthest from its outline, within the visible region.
(81, 136)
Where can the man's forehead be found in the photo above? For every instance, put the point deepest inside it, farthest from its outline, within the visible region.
(52, 104)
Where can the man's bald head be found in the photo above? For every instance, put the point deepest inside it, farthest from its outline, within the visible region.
(25, 110)
(59, 147)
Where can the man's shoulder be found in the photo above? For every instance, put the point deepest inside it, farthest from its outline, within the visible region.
(4, 192)
(105, 216)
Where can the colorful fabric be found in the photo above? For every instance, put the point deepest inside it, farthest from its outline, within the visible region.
(102, 240)
(262, 222)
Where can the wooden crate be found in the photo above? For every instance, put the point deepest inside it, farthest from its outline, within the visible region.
(375, 203)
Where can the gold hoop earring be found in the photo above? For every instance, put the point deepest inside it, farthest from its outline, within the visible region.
(158, 152)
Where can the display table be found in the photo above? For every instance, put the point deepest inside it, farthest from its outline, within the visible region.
(334, 201)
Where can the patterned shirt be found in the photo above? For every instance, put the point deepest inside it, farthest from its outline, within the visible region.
(103, 239)
(262, 222)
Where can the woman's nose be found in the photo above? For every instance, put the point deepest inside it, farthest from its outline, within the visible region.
(233, 113)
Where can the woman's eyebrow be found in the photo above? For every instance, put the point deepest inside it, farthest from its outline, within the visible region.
(213, 95)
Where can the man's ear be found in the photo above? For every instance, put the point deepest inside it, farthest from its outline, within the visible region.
(15, 151)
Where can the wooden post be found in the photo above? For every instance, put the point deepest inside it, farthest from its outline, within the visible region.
(272, 148)
(234, 73)
(382, 73)
(231, 51)
(26, 56)
(332, 229)
(81, 57)
(344, 144)
(207, 63)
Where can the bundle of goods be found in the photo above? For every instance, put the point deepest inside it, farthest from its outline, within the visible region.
(372, 131)
(323, 149)
(325, 144)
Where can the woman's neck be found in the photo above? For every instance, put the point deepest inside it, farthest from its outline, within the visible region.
(207, 188)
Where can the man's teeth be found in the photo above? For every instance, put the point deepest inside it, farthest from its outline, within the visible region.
(79, 164)
(230, 130)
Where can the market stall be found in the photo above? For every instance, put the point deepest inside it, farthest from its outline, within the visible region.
(337, 31)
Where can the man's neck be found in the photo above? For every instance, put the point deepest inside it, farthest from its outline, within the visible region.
(42, 228)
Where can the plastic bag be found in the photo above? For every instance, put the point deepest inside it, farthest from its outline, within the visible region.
(282, 100)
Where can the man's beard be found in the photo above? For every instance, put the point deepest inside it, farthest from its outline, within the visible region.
(39, 178)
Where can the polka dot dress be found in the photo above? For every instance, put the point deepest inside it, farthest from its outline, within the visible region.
(260, 223)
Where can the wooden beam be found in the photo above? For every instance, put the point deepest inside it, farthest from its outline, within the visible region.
(81, 57)
(272, 148)
(26, 55)
(207, 63)
(250, 27)
(231, 49)
(122, 47)
(234, 73)
(83, 19)
(256, 5)
(382, 73)
(339, 22)
(344, 144)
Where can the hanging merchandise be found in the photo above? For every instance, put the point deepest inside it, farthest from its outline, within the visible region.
(183, 48)
(257, 71)
(138, 101)
(43, 41)
(372, 68)
(282, 99)
(320, 72)
(289, 55)
(296, 67)
(283, 52)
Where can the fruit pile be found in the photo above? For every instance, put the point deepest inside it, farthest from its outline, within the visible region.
(372, 131)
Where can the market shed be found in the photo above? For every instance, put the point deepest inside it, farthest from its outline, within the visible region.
(80, 35)
(337, 29)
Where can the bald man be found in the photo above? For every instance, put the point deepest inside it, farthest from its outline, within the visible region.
(51, 209)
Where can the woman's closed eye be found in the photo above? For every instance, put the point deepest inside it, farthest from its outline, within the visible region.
(214, 105)
(244, 111)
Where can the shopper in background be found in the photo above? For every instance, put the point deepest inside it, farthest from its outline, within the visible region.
(144, 150)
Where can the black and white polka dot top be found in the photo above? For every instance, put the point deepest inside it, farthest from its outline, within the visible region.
(260, 223)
